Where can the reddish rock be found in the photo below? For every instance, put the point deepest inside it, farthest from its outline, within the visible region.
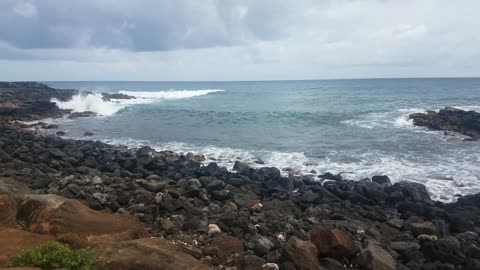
(147, 254)
(12, 241)
(333, 243)
(8, 211)
(72, 222)
(302, 254)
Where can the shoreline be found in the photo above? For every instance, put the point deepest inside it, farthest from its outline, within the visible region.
(249, 217)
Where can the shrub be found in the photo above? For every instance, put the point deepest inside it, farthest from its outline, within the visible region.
(55, 255)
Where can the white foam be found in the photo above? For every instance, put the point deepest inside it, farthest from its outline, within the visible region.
(444, 175)
(170, 94)
(468, 108)
(95, 102)
(90, 102)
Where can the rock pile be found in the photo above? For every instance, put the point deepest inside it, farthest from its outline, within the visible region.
(237, 219)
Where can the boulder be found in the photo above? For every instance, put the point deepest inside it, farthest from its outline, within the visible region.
(73, 222)
(227, 245)
(302, 254)
(373, 257)
(333, 243)
(147, 254)
(445, 250)
(382, 180)
(421, 228)
(415, 192)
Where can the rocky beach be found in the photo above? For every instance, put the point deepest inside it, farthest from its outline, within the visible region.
(139, 208)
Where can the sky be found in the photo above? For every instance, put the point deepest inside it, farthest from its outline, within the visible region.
(190, 40)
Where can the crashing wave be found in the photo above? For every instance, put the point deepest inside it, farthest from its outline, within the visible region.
(96, 103)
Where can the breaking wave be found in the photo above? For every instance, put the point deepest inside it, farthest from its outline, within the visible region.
(96, 103)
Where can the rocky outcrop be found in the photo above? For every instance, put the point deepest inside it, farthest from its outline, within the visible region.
(30, 100)
(450, 119)
(12, 241)
(110, 96)
(73, 222)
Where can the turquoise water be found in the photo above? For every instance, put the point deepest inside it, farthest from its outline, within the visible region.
(359, 127)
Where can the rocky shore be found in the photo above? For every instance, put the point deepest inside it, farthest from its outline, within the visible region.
(450, 119)
(144, 209)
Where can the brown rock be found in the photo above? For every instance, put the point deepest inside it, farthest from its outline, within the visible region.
(301, 253)
(12, 241)
(147, 254)
(333, 243)
(227, 245)
(373, 257)
(72, 222)
(8, 211)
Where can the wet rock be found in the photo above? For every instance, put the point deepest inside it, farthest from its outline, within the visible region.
(410, 190)
(241, 167)
(382, 180)
(331, 176)
(81, 114)
(87, 133)
(450, 119)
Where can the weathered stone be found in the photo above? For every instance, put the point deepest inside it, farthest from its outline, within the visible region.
(73, 222)
(12, 241)
(227, 245)
(373, 257)
(445, 250)
(302, 254)
(333, 243)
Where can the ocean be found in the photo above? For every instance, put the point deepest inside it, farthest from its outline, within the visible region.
(357, 127)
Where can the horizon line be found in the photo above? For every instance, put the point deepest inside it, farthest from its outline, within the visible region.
(276, 80)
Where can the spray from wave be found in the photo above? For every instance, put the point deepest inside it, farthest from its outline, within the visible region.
(96, 103)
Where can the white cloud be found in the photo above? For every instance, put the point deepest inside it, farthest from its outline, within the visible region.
(25, 9)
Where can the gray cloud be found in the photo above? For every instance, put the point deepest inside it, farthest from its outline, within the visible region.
(238, 39)
(140, 25)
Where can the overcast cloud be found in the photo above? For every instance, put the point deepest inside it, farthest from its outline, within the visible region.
(237, 40)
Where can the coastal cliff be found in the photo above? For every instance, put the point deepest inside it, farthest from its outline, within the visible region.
(144, 209)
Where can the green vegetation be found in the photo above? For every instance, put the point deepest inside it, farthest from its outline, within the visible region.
(55, 255)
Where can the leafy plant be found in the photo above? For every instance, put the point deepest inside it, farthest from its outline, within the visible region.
(55, 255)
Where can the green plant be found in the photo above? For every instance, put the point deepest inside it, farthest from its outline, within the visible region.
(55, 255)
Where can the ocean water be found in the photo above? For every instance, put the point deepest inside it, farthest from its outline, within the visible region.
(357, 127)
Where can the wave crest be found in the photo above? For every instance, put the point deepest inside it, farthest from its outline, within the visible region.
(170, 94)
